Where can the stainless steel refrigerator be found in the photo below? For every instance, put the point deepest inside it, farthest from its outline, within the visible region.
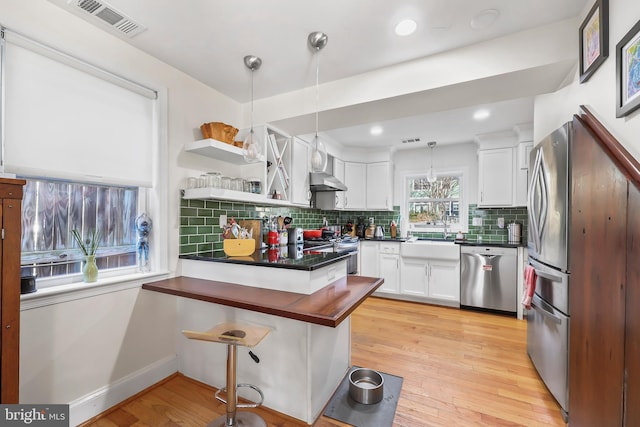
(548, 247)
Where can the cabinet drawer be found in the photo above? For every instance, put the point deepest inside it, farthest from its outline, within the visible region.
(389, 248)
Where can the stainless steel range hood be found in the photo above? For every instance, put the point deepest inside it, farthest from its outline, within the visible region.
(325, 181)
(322, 181)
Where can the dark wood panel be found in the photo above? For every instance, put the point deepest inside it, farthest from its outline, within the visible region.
(10, 218)
(597, 289)
(627, 163)
(328, 307)
(632, 331)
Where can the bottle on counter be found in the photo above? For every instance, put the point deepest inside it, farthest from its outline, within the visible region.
(394, 230)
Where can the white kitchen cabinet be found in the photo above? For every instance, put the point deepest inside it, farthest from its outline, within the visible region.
(415, 275)
(355, 178)
(389, 267)
(437, 280)
(503, 176)
(444, 280)
(368, 256)
(338, 172)
(300, 164)
(495, 181)
(379, 186)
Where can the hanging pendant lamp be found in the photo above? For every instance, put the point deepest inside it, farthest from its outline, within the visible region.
(317, 41)
(251, 145)
(431, 174)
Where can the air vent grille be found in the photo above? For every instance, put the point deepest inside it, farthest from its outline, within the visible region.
(89, 5)
(410, 140)
(107, 15)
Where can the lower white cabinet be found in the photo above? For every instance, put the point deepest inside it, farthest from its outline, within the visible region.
(389, 266)
(368, 259)
(431, 278)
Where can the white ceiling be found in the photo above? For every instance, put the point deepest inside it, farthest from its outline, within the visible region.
(208, 39)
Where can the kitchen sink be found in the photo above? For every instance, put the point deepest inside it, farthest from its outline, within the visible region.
(432, 249)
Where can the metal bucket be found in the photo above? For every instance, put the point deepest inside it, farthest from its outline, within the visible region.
(366, 386)
(515, 231)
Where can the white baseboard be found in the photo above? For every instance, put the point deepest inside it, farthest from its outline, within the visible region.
(92, 404)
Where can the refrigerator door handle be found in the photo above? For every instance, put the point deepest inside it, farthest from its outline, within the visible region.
(546, 313)
(538, 212)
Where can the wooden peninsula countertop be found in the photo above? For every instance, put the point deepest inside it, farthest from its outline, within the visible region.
(328, 306)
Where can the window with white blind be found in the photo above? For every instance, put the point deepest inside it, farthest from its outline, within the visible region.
(86, 141)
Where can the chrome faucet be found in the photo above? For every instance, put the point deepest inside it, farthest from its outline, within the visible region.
(445, 233)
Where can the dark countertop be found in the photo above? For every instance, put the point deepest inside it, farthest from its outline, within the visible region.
(285, 257)
(492, 244)
(385, 239)
(328, 306)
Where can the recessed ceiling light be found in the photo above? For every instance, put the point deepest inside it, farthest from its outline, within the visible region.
(406, 27)
(481, 114)
(484, 19)
(376, 130)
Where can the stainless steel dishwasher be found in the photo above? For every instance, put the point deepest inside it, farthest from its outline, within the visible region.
(488, 278)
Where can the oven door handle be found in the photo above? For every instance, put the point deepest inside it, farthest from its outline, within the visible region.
(546, 313)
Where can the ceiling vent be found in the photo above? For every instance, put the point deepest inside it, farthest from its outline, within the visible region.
(106, 15)
(410, 140)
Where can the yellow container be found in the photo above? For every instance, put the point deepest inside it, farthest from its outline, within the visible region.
(238, 247)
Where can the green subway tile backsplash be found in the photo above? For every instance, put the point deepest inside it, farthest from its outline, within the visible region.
(489, 229)
(200, 231)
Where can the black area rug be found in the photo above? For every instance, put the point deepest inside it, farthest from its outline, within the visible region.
(343, 408)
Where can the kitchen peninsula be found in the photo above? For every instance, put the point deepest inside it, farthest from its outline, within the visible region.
(306, 300)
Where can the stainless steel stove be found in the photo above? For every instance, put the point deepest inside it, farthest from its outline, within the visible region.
(344, 244)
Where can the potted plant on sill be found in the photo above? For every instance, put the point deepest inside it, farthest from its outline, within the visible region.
(88, 248)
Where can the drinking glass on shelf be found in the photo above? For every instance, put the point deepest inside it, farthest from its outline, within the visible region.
(202, 181)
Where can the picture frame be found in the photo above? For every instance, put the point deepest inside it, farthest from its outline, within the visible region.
(594, 39)
(628, 72)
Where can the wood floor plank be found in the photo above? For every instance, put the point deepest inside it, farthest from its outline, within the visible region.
(460, 368)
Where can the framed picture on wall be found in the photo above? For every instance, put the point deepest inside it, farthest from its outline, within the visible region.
(594, 39)
(628, 72)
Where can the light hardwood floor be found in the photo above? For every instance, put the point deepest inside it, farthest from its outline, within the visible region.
(460, 368)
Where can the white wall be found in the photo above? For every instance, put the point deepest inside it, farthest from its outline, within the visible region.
(598, 93)
(70, 350)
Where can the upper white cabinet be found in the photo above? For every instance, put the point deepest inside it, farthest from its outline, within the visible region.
(338, 172)
(355, 178)
(379, 186)
(503, 163)
(300, 164)
(369, 186)
(496, 173)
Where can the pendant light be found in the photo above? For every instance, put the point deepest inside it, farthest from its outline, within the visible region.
(317, 41)
(431, 174)
(251, 144)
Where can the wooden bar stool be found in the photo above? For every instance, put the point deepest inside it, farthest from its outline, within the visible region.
(233, 335)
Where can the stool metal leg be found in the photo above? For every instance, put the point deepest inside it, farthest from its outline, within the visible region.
(232, 417)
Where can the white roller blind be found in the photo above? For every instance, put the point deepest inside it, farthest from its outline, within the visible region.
(68, 120)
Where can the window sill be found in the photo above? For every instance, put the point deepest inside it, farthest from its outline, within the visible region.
(73, 291)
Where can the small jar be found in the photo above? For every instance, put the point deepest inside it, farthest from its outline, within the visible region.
(237, 184)
(225, 183)
(213, 179)
(191, 182)
(202, 181)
